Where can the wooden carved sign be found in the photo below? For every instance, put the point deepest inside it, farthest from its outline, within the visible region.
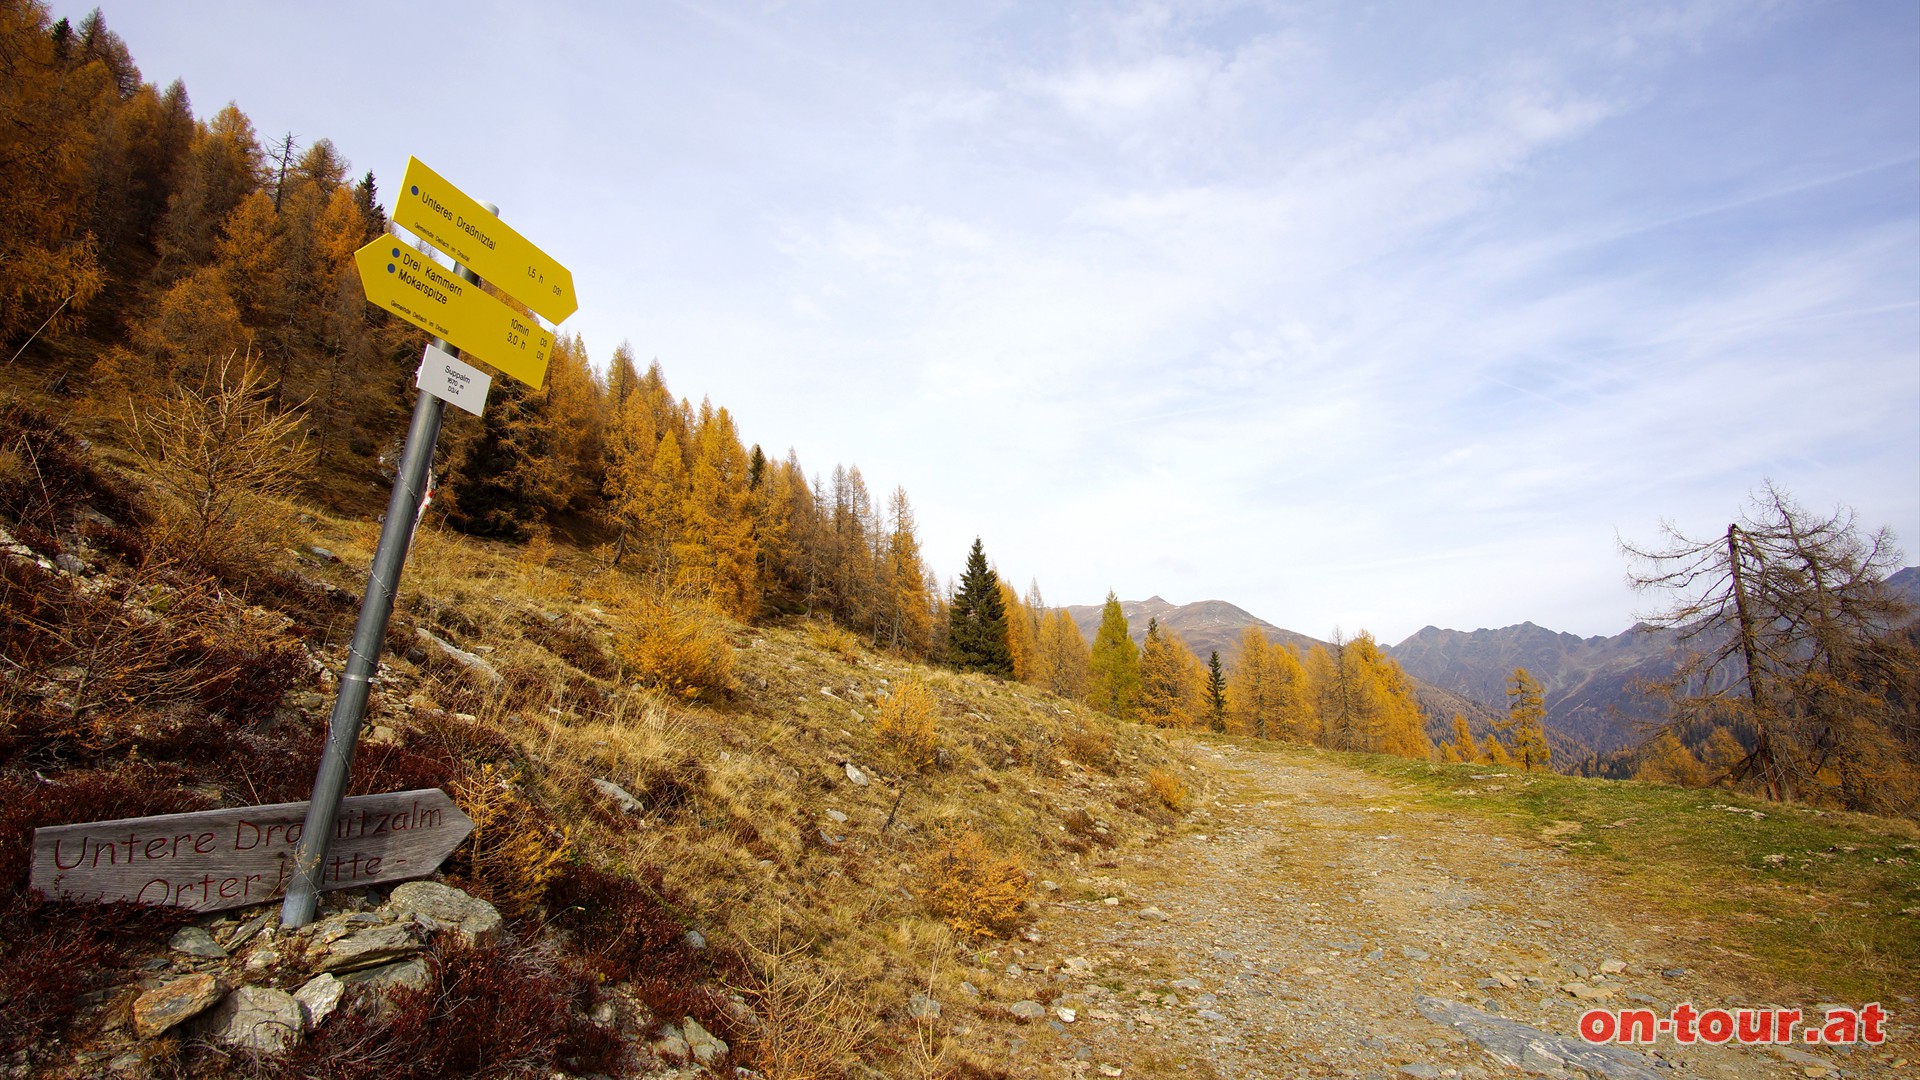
(230, 858)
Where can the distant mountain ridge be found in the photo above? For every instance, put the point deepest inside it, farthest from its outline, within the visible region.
(1204, 625)
(1594, 686)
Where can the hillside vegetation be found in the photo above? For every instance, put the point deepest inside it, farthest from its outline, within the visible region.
(831, 820)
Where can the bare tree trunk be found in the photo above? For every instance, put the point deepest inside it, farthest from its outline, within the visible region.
(1764, 758)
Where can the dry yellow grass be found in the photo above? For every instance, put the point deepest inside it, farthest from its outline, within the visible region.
(735, 785)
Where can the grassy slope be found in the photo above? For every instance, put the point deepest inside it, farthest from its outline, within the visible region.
(1819, 901)
(738, 790)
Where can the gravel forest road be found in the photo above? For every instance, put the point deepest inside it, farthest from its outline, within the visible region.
(1311, 920)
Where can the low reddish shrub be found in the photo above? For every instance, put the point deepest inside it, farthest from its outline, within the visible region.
(633, 931)
(50, 953)
(502, 1011)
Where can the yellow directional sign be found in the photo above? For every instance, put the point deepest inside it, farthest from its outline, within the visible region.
(430, 296)
(450, 220)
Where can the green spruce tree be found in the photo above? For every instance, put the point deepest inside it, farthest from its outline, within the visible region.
(1216, 693)
(977, 620)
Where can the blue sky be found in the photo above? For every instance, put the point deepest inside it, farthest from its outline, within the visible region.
(1368, 315)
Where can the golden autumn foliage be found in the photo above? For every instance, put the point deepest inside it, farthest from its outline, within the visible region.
(1266, 690)
(979, 891)
(51, 110)
(514, 851)
(1526, 720)
(677, 645)
(1168, 789)
(905, 724)
(1172, 680)
(1063, 665)
(1363, 700)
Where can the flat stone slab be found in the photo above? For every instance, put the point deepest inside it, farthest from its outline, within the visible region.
(182, 999)
(370, 947)
(443, 907)
(257, 1018)
(320, 996)
(1532, 1050)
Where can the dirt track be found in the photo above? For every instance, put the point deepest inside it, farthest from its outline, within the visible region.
(1296, 920)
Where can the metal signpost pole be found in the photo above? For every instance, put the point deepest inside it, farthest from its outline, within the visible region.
(363, 655)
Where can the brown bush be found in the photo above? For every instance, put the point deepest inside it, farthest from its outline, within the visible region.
(50, 953)
(634, 931)
(980, 892)
(681, 649)
(1167, 788)
(905, 726)
(827, 637)
(1087, 744)
(222, 450)
(503, 1011)
(811, 1027)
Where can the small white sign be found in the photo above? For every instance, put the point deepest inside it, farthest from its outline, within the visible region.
(446, 378)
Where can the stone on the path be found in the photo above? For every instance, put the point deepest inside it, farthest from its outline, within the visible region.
(1612, 967)
(1589, 993)
(260, 961)
(196, 941)
(257, 1018)
(443, 907)
(1185, 984)
(1412, 953)
(182, 999)
(1153, 914)
(1209, 1015)
(1532, 1050)
(1066, 1015)
(1421, 1071)
(1027, 1010)
(320, 995)
(706, 1048)
(620, 796)
(923, 1007)
(838, 817)
(858, 778)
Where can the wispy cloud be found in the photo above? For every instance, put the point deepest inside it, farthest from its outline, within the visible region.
(1356, 316)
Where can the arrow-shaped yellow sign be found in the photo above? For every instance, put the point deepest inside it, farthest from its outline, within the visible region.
(430, 296)
(454, 223)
